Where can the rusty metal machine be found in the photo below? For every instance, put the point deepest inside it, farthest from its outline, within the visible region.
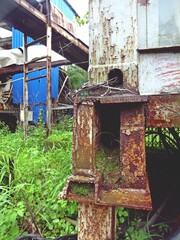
(134, 83)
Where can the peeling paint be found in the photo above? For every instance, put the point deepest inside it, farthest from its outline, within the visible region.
(112, 124)
(117, 47)
(163, 75)
(101, 227)
(163, 111)
(125, 161)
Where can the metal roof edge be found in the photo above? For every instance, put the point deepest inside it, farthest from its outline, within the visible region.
(77, 15)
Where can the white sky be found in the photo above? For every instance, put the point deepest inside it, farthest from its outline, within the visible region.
(80, 6)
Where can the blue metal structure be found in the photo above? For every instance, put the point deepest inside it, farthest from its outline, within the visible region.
(37, 88)
(66, 8)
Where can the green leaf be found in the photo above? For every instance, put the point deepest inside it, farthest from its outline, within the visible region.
(121, 219)
(20, 212)
(125, 214)
(13, 216)
(55, 220)
(38, 182)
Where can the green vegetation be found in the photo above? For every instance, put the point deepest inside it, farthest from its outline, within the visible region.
(107, 162)
(77, 76)
(163, 139)
(82, 189)
(136, 232)
(33, 172)
(31, 177)
(84, 20)
(132, 226)
(122, 214)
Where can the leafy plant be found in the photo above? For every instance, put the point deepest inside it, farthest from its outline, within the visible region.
(167, 139)
(4, 129)
(122, 215)
(82, 21)
(77, 76)
(163, 228)
(136, 232)
(132, 226)
(65, 124)
(32, 175)
(30, 186)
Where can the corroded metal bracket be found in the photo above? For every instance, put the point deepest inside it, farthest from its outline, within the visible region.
(109, 152)
(83, 186)
(125, 183)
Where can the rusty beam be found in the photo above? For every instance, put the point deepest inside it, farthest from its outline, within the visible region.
(160, 110)
(49, 78)
(147, 111)
(163, 111)
(90, 123)
(25, 91)
(124, 98)
(168, 49)
(132, 155)
(84, 148)
(137, 199)
(18, 69)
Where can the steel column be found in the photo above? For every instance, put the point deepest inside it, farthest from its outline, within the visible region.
(25, 89)
(49, 85)
(96, 222)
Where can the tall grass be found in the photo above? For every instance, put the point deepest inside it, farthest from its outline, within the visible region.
(32, 173)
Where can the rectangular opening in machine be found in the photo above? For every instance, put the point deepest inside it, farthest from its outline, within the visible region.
(108, 149)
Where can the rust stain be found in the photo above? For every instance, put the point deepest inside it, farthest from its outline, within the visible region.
(96, 222)
(163, 111)
(120, 197)
(132, 147)
(58, 17)
(168, 74)
(129, 176)
(110, 54)
(143, 2)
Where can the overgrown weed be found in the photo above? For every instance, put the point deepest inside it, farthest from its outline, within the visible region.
(31, 183)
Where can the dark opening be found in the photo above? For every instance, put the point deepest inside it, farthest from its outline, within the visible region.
(108, 151)
(110, 125)
(10, 120)
(162, 155)
(115, 77)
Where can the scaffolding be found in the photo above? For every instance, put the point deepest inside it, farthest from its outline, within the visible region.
(40, 26)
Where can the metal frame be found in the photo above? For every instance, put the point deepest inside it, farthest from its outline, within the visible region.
(48, 38)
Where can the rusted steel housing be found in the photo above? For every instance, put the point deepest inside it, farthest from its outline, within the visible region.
(131, 43)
